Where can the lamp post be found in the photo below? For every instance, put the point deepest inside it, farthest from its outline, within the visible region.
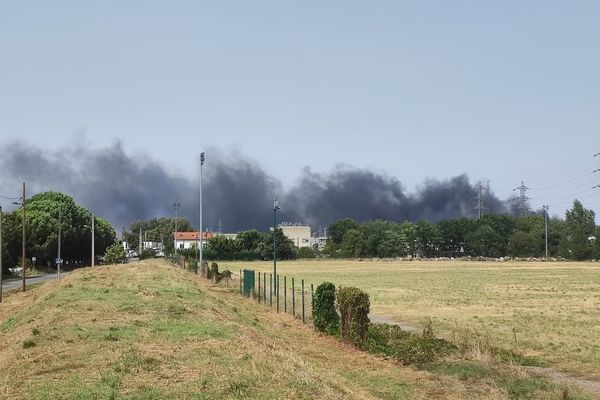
(176, 208)
(546, 227)
(275, 208)
(22, 204)
(200, 247)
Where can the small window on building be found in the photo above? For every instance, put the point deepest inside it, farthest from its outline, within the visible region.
(304, 240)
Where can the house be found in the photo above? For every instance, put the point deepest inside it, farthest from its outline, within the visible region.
(189, 240)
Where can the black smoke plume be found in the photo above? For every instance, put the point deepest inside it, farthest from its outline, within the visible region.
(238, 193)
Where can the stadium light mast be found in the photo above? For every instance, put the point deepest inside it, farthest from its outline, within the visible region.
(201, 165)
(275, 208)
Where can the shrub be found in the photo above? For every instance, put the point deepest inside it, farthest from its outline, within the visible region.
(325, 316)
(213, 271)
(305, 252)
(354, 304)
(115, 254)
(407, 347)
(29, 343)
(147, 253)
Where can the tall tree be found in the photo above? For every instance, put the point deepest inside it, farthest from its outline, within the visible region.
(580, 227)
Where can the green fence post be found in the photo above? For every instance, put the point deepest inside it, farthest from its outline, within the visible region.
(277, 290)
(293, 299)
(312, 295)
(270, 290)
(303, 301)
(241, 291)
(285, 294)
(265, 288)
(259, 287)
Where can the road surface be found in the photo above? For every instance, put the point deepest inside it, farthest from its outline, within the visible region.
(17, 283)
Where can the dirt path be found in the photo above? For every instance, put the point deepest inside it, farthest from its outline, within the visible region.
(589, 385)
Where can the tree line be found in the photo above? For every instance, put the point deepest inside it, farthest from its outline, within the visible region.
(493, 235)
(43, 213)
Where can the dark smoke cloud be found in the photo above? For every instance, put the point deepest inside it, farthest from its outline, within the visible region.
(237, 191)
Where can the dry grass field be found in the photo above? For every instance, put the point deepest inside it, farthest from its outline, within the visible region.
(550, 311)
(150, 331)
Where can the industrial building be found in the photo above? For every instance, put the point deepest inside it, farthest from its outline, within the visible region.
(298, 233)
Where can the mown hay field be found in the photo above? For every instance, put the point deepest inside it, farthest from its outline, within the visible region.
(549, 311)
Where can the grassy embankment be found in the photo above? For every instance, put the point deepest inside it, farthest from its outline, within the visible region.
(549, 311)
(149, 331)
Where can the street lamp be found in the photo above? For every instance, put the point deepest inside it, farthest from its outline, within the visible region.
(275, 208)
(200, 247)
(22, 204)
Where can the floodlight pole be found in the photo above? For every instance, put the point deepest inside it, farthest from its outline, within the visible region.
(200, 248)
(275, 208)
(546, 227)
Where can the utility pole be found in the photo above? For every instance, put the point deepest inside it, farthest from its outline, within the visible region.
(175, 207)
(480, 197)
(546, 227)
(522, 199)
(23, 244)
(200, 249)
(141, 245)
(1, 254)
(58, 259)
(93, 243)
(275, 208)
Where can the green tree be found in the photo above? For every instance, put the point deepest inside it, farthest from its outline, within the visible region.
(453, 235)
(338, 229)
(42, 230)
(353, 243)
(157, 230)
(115, 254)
(485, 242)
(580, 227)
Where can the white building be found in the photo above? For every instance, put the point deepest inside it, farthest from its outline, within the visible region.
(190, 240)
(297, 233)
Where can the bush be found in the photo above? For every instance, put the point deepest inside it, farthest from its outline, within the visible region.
(325, 316)
(354, 305)
(407, 347)
(147, 253)
(115, 254)
(305, 252)
(213, 271)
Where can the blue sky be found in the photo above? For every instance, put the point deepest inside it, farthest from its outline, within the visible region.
(504, 90)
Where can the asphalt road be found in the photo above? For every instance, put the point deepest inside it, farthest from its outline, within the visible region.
(11, 284)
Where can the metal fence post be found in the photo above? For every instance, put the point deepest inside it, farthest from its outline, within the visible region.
(241, 291)
(265, 288)
(259, 287)
(312, 295)
(285, 294)
(303, 301)
(270, 290)
(293, 299)
(277, 291)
